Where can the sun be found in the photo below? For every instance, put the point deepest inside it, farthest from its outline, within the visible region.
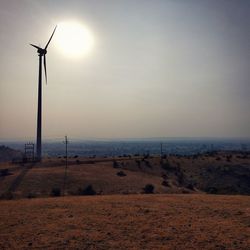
(73, 39)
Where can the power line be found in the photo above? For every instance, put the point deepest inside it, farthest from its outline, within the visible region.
(66, 163)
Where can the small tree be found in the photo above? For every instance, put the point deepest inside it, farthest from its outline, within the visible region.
(138, 162)
(121, 174)
(8, 195)
(149, 189)
(89, 190)
(165, 165)
(4, 172)
(115, 164)
(165, 183)
(55, 192)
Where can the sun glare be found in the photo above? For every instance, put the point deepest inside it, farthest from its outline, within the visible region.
(73, 39)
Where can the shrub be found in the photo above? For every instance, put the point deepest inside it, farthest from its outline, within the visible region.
(115, 164)
(25, 159)
(180, 176)
(165, 165)
(148, 164)
(190, 186)
(4, 172)
(31, 195)
(55, 192)
(138, 162)
(121, 174)
(8, 195)
(149, 189)
(211, 190)
(229, 157)
(165, 183)
(164, 176)
(164, 156)
(89, 190)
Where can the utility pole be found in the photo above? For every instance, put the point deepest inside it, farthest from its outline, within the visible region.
(66, 163)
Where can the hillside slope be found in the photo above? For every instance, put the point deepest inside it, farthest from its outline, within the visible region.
(8, 154)
(218, 173)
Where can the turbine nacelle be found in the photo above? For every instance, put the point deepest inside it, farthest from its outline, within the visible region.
(40, 51)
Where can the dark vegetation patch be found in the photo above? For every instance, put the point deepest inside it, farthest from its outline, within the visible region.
(121, 174)
(31, 195)
(115, 164)
(225, 179)
(165, 183)
(4, 172)
(89, 190)
(8, 195)
(149, 189)
(55, 192)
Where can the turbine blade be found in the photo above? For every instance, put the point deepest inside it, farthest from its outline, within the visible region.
(35, 46)
(45, 70)
(50, 38)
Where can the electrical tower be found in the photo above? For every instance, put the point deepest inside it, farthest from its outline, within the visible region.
(29, 151)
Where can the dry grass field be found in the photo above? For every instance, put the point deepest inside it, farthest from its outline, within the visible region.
(221, 173)
(180, 215)
(195, 221)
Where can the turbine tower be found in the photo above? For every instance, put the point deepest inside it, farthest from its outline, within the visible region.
(41, 53)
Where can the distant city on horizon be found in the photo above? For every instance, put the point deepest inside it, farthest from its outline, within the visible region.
(107, 148)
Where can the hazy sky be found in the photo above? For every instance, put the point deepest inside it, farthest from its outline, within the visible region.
(158, 68)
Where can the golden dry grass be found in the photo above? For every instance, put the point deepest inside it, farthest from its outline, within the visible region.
(206, 172)
(127, 222)
(43, 177)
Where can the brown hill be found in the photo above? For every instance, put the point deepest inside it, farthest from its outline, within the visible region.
(221, 172)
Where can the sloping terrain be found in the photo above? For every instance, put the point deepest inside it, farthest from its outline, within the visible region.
(8, 154)
(217, 173)
(127, 222)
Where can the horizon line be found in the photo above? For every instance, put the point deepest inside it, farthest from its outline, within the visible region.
(245, 138)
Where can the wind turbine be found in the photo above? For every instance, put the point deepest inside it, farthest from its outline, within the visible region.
(41, 53)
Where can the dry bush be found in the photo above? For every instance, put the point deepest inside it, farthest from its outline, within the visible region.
(165, 183)
(121, 174)
(89, 190)
(4, 172)
(149, 189)
(8, 195)
(115, 164)
(55, 192)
